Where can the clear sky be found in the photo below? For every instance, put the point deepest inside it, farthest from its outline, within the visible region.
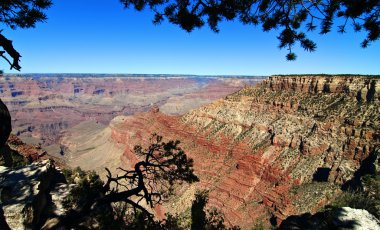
(100, 36)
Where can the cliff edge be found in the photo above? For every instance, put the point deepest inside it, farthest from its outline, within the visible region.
(284, 147)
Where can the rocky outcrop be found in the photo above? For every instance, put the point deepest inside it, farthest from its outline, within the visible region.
(363, 88)
(357, 218)
(5, 125)
(31, 153)
(339, 218)
(26, 194)
(282, 148)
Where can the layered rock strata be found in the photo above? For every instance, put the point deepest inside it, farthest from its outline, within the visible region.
(42, 106)
(282, 148)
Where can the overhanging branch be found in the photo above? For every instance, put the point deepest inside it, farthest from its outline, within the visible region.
(10, 50)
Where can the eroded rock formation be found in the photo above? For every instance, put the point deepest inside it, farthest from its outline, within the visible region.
(340, 218)
(282, 148)
(27, 194)
(44, 105)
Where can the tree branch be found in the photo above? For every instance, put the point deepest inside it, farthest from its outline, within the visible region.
(8, 47)
(137, 206)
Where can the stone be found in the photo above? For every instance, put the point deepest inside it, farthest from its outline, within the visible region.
(25, 193)
(358, 219)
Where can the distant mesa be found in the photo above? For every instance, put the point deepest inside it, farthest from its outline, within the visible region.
(53, 103)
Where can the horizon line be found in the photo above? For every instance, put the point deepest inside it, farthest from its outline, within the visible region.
(194, 75)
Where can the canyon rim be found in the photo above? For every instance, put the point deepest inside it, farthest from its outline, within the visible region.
(264, 148)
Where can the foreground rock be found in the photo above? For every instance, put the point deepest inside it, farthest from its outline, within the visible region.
(27, 192)
(282, 148)
(340, 218)
(356, 218)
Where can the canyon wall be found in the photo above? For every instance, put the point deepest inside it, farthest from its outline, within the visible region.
(284, 147)
(43, 105)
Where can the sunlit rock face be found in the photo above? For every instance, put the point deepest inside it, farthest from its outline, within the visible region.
(42, 106)
(339, 218)
(282, 148)
(27, 193)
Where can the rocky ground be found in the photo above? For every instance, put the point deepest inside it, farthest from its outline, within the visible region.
(33, 197)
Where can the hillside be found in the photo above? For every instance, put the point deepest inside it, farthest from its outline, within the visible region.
(284, 147)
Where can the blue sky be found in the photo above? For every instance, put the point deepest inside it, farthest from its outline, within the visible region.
(99, 36)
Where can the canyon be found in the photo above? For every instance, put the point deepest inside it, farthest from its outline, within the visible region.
(284, 147)
(44, 106)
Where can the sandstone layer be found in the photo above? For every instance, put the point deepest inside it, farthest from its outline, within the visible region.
(282, 148)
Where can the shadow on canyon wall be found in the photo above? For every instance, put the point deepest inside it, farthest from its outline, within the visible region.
(356, 194)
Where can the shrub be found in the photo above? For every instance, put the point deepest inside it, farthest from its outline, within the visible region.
(368, 198)
(88, 186)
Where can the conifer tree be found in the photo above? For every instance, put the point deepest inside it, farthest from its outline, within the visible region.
(293, 18)
(19, 14)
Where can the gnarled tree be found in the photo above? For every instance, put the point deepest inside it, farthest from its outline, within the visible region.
(149, 183)
(293, 17)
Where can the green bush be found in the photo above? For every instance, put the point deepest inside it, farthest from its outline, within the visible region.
(368, 198)
(88, 186)
(357, 200)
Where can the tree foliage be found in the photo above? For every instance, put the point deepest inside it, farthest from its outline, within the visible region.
(367, 197)
(88, 187)
(19, 14)
(294, 18)
(207, 219)
(200, 218)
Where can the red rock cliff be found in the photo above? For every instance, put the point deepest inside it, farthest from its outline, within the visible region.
(284, 147)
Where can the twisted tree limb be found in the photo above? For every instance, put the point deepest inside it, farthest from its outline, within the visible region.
(10, 50)
(142, 187)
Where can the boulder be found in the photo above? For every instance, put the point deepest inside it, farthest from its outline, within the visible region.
(358, 219)
(25, 194)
